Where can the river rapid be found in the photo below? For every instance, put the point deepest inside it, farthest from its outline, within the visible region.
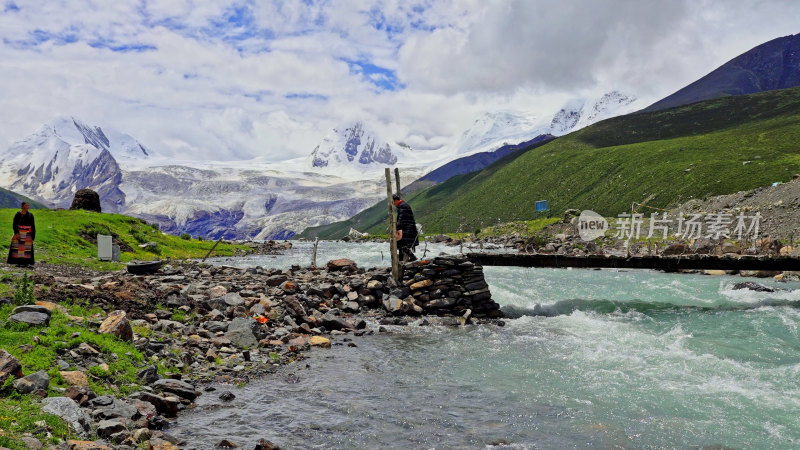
(608, 358)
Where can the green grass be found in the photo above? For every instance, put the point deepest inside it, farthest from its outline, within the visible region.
(21, 412)
(728, 145)
(58, 337)
(17, 412)
(69, 237)
(520, 228)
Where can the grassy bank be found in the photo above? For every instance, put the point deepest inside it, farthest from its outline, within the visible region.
(70, 237)
(39, 348)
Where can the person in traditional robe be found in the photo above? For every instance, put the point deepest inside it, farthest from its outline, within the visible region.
(21, 249)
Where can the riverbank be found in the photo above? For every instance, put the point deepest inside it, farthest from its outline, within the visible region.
(129, 352)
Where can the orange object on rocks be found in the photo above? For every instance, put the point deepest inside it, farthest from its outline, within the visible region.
(261, 319)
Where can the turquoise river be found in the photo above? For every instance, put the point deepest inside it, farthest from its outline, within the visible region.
(593, 358)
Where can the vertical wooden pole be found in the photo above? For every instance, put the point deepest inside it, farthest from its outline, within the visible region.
(392, 228)
(314, 254)
(397, 179)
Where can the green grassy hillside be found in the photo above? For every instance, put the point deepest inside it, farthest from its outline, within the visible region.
(708, 148)
(70, 237)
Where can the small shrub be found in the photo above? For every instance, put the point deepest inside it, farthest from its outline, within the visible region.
(537, 240)
(23, 292)
(138, 236)
(142, 331)
(185, 236)
(97, 228)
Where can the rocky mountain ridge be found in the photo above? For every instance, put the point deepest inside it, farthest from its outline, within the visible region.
(772, 65)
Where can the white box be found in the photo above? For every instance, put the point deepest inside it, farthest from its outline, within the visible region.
(104, 247)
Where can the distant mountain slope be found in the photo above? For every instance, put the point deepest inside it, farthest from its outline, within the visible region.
(769, 66)
(479, 161)
(9, 199)
(709, 148)
(435, 184)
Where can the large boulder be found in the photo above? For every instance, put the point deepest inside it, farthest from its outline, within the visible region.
(75, 378)
(333, 322)
(336, 265)
(167, 406)
(30, 318)
(34, 382)
(674, 249)
(9, 366)
(395, 305)
(294, 307)
(107, 428)
(108, 407)
(86, 199)
(70, 412)
(32, 308)
(215, 326)
(264, 444)
(233, 299)
(178, 387)
(117, 324)
(241, 332)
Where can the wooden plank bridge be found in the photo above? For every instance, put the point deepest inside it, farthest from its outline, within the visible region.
(666, 263)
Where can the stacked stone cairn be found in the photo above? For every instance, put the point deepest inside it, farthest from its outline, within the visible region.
(447, 285)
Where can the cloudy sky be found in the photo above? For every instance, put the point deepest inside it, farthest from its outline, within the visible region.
(237, 79)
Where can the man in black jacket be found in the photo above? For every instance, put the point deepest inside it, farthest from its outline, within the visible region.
(406, 230)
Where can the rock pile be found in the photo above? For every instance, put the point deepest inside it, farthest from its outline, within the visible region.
(86, 199)
(451, 285)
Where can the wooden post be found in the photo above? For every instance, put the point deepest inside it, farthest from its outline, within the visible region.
(392, 228)
(397, 179)
(314, 254)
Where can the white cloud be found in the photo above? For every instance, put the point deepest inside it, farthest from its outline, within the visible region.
(238, 79)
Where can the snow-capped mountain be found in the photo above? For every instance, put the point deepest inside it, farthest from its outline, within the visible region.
(353, 147)
(582, 112)
(491, 131)
(503, 127)
(62, 157)
(122, 147)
